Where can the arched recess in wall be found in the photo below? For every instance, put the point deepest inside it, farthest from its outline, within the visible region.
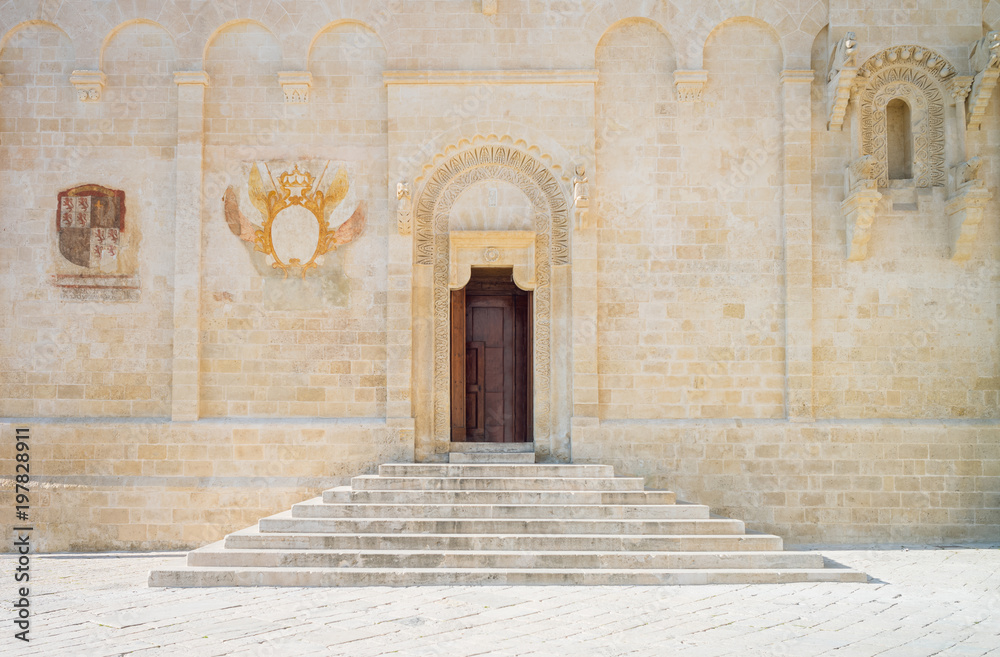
(635, 112)
(744, 60)
(348, 98)
(916, 76)
(36, 59)
(139, 58)
(242, 59)
(638, 152)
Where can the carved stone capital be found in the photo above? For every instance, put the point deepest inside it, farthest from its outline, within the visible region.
(960, 87)
(690, 85)
(859, 214)
(296, 85)
(89, 85)
(191, 77)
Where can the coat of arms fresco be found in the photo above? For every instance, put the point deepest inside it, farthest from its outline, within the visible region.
(294, 233)
(90, 222)
(90, 225)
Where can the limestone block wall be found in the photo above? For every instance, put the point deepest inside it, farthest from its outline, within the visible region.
(63, 354)
(312, 346)
(690, 262)
(711, 333)
(150, 485)
(840, 481)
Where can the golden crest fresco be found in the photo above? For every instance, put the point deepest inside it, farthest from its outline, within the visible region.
(295, 231)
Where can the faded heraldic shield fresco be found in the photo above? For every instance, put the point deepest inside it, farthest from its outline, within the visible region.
(90, 221)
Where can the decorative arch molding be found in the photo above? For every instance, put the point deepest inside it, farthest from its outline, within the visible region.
(917, 76)
(333, 25)
(455, 144)
(451, 175)
(32, 23)
(110, 37)
(604, 17)
(226, 26)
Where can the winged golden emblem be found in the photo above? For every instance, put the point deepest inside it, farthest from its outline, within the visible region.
(294, 190)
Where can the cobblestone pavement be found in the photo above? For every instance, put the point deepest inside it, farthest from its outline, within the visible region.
(919, 602)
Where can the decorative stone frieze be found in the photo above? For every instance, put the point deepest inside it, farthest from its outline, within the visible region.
(843, 70)
(690, 85)
(861, 199)
(965, 207)
(296, 85)
(984, 59)
(89, 85)
(404, 209)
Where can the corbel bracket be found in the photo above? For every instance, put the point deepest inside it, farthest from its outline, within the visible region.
(984, 59)
(843, 71)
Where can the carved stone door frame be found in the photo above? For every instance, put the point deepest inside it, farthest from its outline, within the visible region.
(444, 261)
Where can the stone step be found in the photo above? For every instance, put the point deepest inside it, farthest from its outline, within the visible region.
(253, 538)
(493, 470)
(345, 495)
(216, 556)
(316, 508)
(284, 522)
(204, 577)
(491, 448)
(374, 482)
(496, 523)
(491, 457)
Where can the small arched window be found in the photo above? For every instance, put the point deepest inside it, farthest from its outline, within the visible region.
(900, 140)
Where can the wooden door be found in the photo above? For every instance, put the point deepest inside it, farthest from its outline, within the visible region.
(490, 357)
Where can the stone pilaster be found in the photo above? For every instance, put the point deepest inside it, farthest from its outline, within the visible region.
(185, 396)
(797, 210)
(584, 304)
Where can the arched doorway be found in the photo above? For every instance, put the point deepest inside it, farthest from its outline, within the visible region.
(444, 257)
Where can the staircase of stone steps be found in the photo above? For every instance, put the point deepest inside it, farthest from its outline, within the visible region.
(496, 523)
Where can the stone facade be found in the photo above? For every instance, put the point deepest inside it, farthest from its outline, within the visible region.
(734, 295)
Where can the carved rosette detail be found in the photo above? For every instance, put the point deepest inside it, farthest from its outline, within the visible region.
(551, 223)
(89, 85)
(926, 102)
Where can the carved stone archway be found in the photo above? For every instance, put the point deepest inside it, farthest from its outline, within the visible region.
(507, 163)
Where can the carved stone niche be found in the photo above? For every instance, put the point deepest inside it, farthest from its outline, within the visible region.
(918, 77)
